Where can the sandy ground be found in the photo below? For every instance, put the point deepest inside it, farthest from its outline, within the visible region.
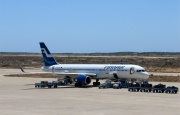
(18, 97)
(18, 71)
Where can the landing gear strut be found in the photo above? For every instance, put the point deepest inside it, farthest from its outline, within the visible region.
(96, 83)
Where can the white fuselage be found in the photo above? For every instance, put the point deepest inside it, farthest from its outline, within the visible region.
(102, 71)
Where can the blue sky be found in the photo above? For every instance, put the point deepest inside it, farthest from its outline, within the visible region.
(86, 26)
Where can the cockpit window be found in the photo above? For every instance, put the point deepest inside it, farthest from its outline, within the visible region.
(141, 70)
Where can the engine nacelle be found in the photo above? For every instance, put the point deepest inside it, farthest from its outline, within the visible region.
(83, 80)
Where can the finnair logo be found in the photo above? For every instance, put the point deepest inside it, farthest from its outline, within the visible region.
(45, 52)
(114, 67)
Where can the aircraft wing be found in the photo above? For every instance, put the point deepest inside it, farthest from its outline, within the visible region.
(61, 73)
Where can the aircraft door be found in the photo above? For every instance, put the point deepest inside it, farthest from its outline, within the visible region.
(53, 69)
(131, 70)
(70, 69)
(107, 71)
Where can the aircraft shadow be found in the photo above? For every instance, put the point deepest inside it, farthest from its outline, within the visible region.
(59, 87)
(28, 84)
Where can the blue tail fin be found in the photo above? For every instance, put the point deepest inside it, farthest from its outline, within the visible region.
(47, 57)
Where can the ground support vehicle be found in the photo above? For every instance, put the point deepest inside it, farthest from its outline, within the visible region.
(124, 83)
(117, 85)
(54, 84)
(44, 84)
(107, 84)
(65, 81)
(146, 87)
(144, 81)
(57, 83)
(171, 89)
(135, 87)
(160, 88)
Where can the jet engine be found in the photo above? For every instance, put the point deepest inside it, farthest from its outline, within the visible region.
(83, 80)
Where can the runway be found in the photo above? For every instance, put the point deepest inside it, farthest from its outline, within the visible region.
(18, 97)
(165, 74)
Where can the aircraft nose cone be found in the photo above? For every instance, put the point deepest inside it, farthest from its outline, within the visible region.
(146, 75)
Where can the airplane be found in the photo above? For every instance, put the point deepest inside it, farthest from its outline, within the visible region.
(83, 73)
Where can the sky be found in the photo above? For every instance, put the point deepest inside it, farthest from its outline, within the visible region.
(88, 26)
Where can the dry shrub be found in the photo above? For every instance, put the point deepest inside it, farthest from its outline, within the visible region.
(164, 78)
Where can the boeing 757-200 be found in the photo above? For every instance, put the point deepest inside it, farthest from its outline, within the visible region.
(83, 73)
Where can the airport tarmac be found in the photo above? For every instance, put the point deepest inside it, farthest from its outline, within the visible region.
(165, 74)
(18, 97)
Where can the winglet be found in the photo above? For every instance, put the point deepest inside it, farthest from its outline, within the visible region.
(22, 69)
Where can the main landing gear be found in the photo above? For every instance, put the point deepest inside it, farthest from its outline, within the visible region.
(96, 83)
